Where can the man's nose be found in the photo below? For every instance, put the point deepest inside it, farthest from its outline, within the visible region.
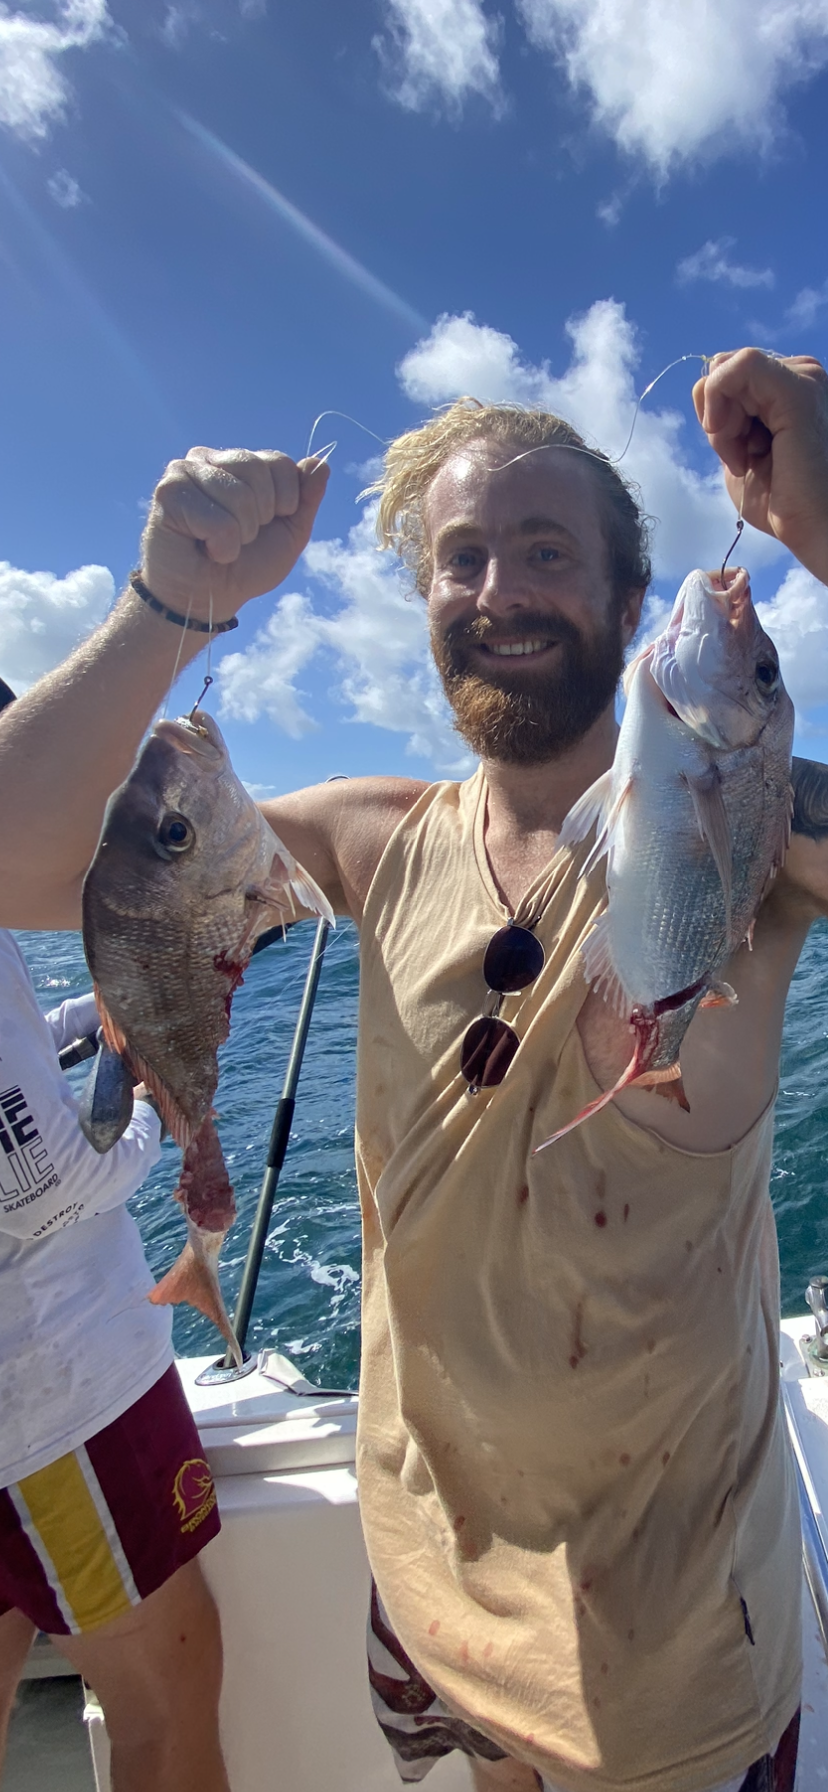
(503, 588)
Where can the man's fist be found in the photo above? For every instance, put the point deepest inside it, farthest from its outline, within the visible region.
(226, 525)
(767, 419)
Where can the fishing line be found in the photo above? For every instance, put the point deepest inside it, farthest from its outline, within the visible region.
(383, 440)
(178, 655)
(592, 453)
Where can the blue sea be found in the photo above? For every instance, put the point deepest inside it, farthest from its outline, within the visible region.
(307, 1302)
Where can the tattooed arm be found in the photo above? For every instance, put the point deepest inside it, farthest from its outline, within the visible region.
(806, 867)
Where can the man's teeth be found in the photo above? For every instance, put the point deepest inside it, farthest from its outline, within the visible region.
(505, 648)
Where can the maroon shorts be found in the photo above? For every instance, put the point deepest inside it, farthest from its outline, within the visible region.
(421, 1730)
(96, 1531)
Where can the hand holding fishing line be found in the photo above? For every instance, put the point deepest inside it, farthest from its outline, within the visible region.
(766, 417)
(226, 526)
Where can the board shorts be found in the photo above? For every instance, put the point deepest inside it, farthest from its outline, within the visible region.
(420, 1729)
(91, 1535)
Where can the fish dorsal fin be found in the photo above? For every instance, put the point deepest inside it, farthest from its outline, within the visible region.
(600, 971)
(714, 827)
(598, 806)
(590, 808)
(288, 879)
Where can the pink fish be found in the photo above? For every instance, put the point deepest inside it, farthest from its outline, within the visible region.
(693, 819)
(186, 877)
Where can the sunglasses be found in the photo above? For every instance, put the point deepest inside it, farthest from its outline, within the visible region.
(514, 958)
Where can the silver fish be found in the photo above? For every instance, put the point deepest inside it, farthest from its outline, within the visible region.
(693, 819)
(186, 877)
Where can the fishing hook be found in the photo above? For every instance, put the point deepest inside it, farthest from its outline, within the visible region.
(734, 544)
(199, 700)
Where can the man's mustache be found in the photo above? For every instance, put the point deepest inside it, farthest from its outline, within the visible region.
(531, 624)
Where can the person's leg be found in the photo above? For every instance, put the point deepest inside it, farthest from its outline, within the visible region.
(17, 1633)
(157, 1672)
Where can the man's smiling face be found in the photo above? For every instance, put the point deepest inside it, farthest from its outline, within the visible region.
(526, 631)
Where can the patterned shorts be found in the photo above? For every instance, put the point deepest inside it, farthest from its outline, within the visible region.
(420, 1729)
(96, 1531)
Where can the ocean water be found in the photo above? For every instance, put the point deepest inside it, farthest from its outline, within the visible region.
(307, 1302)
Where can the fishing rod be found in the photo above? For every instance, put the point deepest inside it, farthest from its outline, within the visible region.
(280, 1134)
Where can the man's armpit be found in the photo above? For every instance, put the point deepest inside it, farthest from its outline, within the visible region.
(810, 788)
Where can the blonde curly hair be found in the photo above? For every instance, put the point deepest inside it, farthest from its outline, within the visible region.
(413, 460)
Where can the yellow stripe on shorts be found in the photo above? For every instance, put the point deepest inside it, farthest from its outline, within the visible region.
(69, 1525)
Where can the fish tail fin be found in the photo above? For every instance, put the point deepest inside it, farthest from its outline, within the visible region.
(193, 1281)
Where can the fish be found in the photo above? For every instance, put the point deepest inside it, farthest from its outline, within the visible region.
(186, 878)
(693, 819)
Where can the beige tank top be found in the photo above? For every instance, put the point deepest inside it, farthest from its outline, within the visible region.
(574, 1480)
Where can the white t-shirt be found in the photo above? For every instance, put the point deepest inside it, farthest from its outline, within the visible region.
(79, 1341)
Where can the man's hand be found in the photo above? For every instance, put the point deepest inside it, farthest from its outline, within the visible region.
(227, 525)
(767, 419)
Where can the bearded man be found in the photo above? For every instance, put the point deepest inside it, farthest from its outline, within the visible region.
(574, 1479)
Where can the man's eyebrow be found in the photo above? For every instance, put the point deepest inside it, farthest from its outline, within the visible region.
(544, 525)
(530, 525)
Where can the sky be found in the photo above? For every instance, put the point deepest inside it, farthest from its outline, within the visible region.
(220, 218)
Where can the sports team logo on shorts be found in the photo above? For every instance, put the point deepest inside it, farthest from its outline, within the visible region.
(193, 1493)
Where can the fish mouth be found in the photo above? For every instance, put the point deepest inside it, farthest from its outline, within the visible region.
(196, 734)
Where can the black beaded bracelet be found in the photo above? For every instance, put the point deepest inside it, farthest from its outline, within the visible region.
(202, 628)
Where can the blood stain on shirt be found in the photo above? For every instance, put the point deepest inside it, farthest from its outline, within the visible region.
(600, 1217)
(523, 1194)
(434, 1627)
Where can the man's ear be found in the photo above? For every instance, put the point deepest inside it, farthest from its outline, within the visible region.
(631, 613)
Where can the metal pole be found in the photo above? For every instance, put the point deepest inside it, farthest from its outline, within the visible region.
(279, 1136)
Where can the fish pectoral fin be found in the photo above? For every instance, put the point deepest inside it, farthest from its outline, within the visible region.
(193, 1282)
(714, 827)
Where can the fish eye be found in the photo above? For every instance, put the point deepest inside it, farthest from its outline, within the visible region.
(767, 674)
(175, 833)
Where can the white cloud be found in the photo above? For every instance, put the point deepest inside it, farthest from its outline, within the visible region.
(66, 191)
(672, 83)
(34, 92)
(597, 394)
(440, 50)
(261, 679)
(710, 262)
(377, 640)
(42, 617)
(807, 306)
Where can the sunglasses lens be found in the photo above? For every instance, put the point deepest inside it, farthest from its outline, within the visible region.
(488, 1050)
(514, 958)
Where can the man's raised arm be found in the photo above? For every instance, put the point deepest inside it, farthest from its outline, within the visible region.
(224, 527)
